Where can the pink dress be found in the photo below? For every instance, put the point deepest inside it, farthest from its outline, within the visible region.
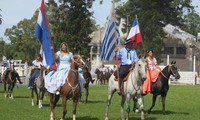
(152, 75)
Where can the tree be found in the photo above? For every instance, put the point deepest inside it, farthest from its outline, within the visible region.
(70, 21)
(23, 43)
(0, 18)
(152, 16)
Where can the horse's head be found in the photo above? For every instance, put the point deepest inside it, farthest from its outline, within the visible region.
(174, 70)
(12, 66)
(140, 66)
(78, 61)
(87, 63)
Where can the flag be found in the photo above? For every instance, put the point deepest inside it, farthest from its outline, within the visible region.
(43, 56)
(110, 39)
(134, 33)
(43, 34)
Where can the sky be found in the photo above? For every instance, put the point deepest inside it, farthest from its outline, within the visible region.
(14, 11)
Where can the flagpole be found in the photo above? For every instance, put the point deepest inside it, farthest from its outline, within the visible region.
(114, 16)
(144, 51)
(47, 24)
(143, 48)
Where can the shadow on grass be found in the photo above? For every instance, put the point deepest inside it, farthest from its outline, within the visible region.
(169, 112)
(89, 101)
(82, 118)
(21, 96)
(138, 118)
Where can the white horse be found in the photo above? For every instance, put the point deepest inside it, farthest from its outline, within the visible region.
(132, 88)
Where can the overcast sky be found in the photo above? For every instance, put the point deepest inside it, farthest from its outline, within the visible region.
(14, 11)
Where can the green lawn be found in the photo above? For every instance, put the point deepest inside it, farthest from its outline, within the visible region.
(183, 102)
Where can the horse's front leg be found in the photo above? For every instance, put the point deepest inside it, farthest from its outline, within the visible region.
(41, 96)
(11, 90)
(64, 100)
(75, 101)
(32, 96)
(5, 91)
(153, 103)
(163, 104)
(122, 107)
(52, 105)
(128, 98)
(141, 105)
(86, 93)
(110, 95)
(135, 108)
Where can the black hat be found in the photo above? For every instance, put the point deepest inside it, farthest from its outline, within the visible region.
(128, 41)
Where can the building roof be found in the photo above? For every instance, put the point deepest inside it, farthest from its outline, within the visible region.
(174, 31)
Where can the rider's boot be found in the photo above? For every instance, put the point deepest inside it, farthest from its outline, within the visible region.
(58, 91)
(120, 86)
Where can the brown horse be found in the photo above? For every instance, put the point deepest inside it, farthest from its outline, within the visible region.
(71, 89)
(101, 77)
(88, 78)
(39, 88)
(10, 80)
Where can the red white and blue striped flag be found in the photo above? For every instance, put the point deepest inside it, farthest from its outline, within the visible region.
(110, 40)
(134, 33)
(43, 34)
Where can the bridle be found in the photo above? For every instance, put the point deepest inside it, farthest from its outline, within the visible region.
(169, 69)
(76, 71)
(79, 58)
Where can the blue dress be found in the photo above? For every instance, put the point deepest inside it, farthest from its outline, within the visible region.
(55, 79)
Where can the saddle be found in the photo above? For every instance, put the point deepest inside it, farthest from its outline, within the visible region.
(126, 72)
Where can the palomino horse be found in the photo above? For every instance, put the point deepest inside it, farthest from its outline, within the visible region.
(71, 89)
(132, 88)
(161, 86)
(10, 79)
(39, 88)
(88, 78)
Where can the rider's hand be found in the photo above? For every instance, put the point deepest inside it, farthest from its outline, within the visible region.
(116, 49)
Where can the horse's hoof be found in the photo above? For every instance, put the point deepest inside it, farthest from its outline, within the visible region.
(136, 110)
(106, 118)
(11, 97)
(40, 106)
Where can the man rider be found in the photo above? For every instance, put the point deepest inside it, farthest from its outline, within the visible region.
(127, 56)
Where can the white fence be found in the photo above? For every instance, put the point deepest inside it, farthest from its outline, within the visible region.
(186, 77)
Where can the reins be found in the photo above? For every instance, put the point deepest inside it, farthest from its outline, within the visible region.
(136, 89)
(75, 71)
(73, 88)
(169, 69)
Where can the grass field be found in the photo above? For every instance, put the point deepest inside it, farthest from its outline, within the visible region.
(182, 103)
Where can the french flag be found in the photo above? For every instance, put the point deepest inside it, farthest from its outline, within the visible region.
(134, 33)
(43, 34)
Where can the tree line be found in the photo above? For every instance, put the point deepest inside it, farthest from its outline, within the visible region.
(71, 21)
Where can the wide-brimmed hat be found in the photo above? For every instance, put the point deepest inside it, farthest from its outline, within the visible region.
(128, 41)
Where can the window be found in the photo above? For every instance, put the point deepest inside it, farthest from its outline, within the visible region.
(169, 50)
(180, 50)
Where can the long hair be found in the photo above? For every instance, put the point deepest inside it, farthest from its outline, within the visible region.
(67, 50)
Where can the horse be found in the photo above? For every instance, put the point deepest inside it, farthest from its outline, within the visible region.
(161, 86)
(71, 89)
(10, 80)
(88, 78)
(132, 88)
(101, 77)
(39, 88)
